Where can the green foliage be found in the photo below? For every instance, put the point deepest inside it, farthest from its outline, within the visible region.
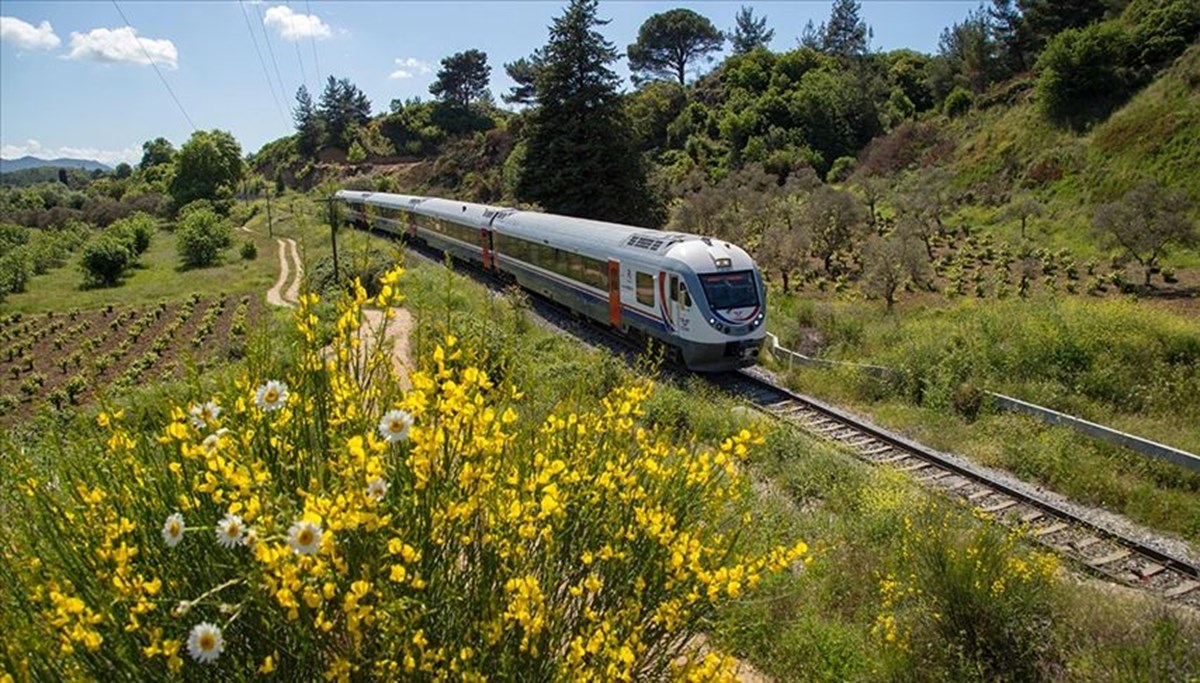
(463, 78)
(135, 232)
(342, 106)
(156, 152)
(309, 126)
(958, 102)
(200, 236)
(671, 42)
(104, 259)
(209, 166)
(1085, 73)
(580, 158)
(356, 155)
(1147, 221)
(749, 33)
(846, 33)
(248, 251)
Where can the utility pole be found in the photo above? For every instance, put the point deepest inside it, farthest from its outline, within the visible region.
(270, 227)
(333, 226)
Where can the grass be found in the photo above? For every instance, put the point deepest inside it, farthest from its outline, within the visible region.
(1124, 364)
(821, 622)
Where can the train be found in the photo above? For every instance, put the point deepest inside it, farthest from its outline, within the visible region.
(702, 298)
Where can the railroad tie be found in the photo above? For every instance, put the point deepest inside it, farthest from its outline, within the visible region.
(1110, 558)
(1086, 542)
(982, 493)
(1033, 516)
(1150, 569)
(999, 507)
(1052, 529)
(877, 450)
(1185, 587)
(913, 468)
(894, 458)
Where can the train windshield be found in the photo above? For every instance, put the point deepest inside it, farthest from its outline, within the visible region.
(730, 290)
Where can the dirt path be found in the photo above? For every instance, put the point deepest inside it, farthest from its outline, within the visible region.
(396, 331)
(293, 291)
(274, 296)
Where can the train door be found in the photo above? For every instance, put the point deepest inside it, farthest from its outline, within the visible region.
(614, 292)
(679, 303)
(485, 242)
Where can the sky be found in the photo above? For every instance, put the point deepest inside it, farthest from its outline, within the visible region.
(96, 79)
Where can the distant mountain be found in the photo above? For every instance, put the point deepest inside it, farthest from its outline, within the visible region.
(9, 165)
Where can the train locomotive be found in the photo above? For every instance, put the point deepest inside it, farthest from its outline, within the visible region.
(701, 297)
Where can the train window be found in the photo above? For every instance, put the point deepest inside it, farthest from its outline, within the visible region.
(730, 290)
(645, 289)
(575, 266)
(685, 299)
(594, 273)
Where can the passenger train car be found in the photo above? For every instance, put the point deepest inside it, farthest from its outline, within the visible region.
(701, 297)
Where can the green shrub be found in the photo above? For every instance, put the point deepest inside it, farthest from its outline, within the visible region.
(105, 259)
(1085, 73)
(200, 237)
(248, 251)
(958, 102)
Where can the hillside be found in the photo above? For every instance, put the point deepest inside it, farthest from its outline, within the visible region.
(10, 165)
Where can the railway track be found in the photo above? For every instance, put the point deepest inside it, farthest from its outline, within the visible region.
(1102, 551)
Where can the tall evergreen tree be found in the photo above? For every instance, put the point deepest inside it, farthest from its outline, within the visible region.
(670, 42)
(342, 105)
(846, 34)
(1047, 18)
(750, 34)
(524, 72)
(308, 124)
(581, 158)
(1011, 32)
(463, 78)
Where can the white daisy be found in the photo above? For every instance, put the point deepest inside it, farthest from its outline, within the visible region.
(230, 531)
(305, 537)
(377, 489)
(172, 531)
(205, 414)
(394, 425)
(271, 396)
(205, 643)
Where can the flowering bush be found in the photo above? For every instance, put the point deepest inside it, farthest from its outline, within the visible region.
(323, 524)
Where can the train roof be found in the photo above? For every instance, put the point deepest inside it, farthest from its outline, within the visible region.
(581, 234)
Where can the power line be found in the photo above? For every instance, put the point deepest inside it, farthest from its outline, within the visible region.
(313, 39)
(153, 64)
(263, 63)
(303, 76)
(270, 50)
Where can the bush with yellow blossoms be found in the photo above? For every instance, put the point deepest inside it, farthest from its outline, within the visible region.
(967, 599)
(323, 525)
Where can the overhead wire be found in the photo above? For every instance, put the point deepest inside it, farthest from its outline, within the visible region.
(155, 65)
(303, 75)
(313, 39)
(270, 50)
(262, 62)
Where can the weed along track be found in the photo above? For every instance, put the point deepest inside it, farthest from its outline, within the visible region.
(1102, 551)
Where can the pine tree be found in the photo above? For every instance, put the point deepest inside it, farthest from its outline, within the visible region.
(750, 34)
(342, 105)
(463, 78)
(308, 124)
(581, 158)
(670, 42)
(524, 73)
(846, 34)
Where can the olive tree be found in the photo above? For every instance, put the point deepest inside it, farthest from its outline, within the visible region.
(1146, 222)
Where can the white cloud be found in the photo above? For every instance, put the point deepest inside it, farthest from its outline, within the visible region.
(410, 67)
(296, 26)
(121, 45)
(27, 36)
(33, 148)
